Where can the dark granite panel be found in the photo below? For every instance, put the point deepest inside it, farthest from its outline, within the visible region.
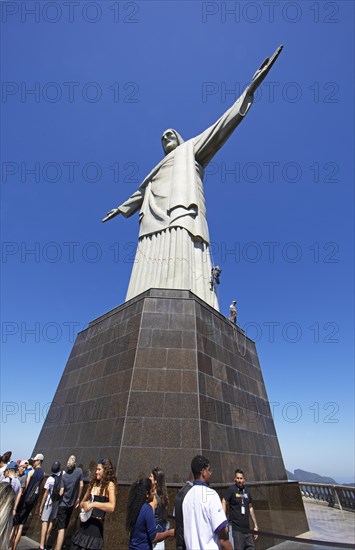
(181, 321)
(231, 440)
(140, 378)
(213, 388)
(190, 433)
(163, 305)
(133, 324)
(163, 432)
(118, 405)
(103, 433)
(111, 365)
(202, 383)
(134, 464)
(205, 435)
(177, 306)
(145, 338)
(148, 403)
(215, 459)
(188, 307)
(208, 409)
(181, 359)
(188, 339)
(155, 320)
(117, 430)
(218, 437)
(177, 463)
(149, 305)
(72, 394)
(166, 339)
(70, 439)
(178, 405)
(156, 380)
(86, 434)
(151, 358)
(97, 389)
(204, 363)
(259, 467)
(227, 392)
(189, 381)
(219, 370)
(132, 435)
(174, 381)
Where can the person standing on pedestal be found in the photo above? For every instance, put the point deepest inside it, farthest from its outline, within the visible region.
(233, 312)
(173, 248)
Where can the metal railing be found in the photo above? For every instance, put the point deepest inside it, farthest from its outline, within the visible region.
(339, 496)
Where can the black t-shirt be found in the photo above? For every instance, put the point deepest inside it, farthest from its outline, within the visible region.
(238, 498)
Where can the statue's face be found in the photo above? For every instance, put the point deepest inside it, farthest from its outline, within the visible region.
(169, 141)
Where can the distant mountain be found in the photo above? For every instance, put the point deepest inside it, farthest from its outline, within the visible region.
(302, 475)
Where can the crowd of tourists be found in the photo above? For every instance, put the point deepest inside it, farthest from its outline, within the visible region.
(200, 516)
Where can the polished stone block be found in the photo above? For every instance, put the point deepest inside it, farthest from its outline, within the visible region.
(164, 375)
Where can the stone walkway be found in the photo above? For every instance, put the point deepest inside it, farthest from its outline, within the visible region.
(327, 524)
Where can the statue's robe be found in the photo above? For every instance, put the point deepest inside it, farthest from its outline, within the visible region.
(173, 247)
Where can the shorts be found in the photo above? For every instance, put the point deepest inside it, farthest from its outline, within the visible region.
(63, 516)
(50, 512)
(23, 514)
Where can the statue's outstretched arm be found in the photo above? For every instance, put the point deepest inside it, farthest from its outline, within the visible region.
(207, 144)
(134, 202)
(129, 207)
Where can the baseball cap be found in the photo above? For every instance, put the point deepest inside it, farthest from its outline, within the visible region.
(11, 466)
(23, 463)
(56, 467)
(38, 456)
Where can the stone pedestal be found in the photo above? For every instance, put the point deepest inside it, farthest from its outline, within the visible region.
(157, 380)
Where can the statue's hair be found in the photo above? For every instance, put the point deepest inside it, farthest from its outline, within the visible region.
(137, 496)
(178, 137)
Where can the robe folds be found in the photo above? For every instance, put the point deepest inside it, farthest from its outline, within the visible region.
(173, 247)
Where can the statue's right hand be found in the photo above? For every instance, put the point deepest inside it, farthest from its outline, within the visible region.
(114, 212)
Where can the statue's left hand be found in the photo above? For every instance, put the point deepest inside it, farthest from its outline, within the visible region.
(114, 212)
(263, 70)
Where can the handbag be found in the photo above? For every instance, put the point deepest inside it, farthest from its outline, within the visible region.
(84, 516)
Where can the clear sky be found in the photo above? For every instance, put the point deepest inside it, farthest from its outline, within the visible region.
(87, 90)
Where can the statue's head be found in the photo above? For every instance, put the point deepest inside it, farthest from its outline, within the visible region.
(170, 140)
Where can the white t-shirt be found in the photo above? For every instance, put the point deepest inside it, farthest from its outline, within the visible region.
(49, 487)
(203, 518)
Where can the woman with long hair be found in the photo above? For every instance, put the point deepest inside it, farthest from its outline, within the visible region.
(161, 501)
(140, 521)
(7, 500)
(99, 499)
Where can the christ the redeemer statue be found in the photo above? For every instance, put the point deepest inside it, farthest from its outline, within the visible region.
(173, 247)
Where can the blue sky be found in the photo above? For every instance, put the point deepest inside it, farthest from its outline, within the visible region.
(107, 78)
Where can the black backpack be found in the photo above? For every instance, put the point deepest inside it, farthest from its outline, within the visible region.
(32, 493)
(56, 487)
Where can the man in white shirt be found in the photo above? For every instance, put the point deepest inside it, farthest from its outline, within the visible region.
(205, 523)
